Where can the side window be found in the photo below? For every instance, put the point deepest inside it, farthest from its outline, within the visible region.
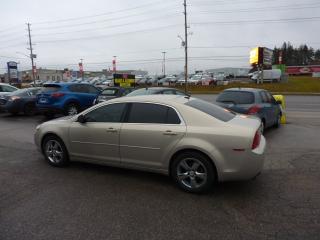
(107, 113)
(172, 116)
(269, 97)
(1, 90)
(92, 89)
(152, 113)
(74, 88)
(8, 89)
(263, 97)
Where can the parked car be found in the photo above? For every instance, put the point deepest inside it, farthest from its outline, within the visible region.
(112, 92)
(23, 100)
(66, 98)
(193, 141)
(157, 90)
(6, 88)
(252, 101)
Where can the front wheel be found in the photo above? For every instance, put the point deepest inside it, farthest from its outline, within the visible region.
(193, 172)
(55, 151)
(29, 109)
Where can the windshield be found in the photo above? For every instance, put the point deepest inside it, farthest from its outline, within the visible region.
(236, 97)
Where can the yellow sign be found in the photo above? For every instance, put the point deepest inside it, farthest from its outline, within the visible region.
(254, 56)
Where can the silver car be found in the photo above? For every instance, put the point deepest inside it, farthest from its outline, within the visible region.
(193, 141)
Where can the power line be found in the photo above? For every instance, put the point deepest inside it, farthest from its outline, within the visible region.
(275, 8)
(101, 14)
(108, 27)
(257, 21)
(110, 35)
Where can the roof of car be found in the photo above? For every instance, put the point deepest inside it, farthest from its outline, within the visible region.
(157, 88)
(66, 83)
(165, 99)
(244, 89)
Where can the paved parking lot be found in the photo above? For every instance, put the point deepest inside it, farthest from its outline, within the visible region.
(86, 201)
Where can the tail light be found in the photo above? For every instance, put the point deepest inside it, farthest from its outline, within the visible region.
(57, 95)
(256, 139)
(254, 109)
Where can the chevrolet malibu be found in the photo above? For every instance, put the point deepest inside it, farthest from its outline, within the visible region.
(195, 142)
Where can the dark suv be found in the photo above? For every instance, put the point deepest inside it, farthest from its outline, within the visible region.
(66, 98)
(252, 101)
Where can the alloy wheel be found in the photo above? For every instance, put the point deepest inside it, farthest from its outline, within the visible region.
(54, 151)
(192, 173)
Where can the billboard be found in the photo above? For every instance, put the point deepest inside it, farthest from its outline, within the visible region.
(124, 80)
(302, 70)
(261, 56)
(13, 72)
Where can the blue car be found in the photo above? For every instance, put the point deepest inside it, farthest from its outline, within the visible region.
(66, 98)
(252, 101)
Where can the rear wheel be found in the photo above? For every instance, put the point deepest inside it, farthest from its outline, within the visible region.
(193, 172)
(55, 151)
(29, 109)
(71, 109)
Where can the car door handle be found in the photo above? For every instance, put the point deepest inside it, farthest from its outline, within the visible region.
(111, 130)
(170, 133)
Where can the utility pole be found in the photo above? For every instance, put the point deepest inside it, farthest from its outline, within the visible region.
(81, 69)
(185, 47)
(31, 54)
(164, 63)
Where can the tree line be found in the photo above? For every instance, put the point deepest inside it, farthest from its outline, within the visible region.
(296, 56)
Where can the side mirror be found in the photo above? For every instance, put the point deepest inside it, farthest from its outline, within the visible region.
(81, 119)
(279, 102)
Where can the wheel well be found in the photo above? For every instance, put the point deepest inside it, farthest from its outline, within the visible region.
(197, 151)
(72, 102)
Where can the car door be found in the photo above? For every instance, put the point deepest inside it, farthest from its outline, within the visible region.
(98, 137)
(274, 109)
(88, 95)
(149, 132)
(268, 108)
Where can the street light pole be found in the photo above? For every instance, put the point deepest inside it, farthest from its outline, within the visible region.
(185, 47)
(164, 64)
(82, 72)
(31, 54)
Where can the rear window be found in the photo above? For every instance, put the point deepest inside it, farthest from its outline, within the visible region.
(211, 109)
(143, 91)
(50, 88)
(236, 97)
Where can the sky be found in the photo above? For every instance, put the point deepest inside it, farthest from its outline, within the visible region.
(221, 33)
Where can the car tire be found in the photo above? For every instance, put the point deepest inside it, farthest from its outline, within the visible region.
(193, 172)
(71, 109)
(29, 109)
(55, 151)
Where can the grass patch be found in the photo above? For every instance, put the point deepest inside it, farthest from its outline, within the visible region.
(301, 85)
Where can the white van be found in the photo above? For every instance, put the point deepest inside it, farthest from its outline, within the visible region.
(273, 75)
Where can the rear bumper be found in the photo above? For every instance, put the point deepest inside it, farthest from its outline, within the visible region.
(245, 165)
